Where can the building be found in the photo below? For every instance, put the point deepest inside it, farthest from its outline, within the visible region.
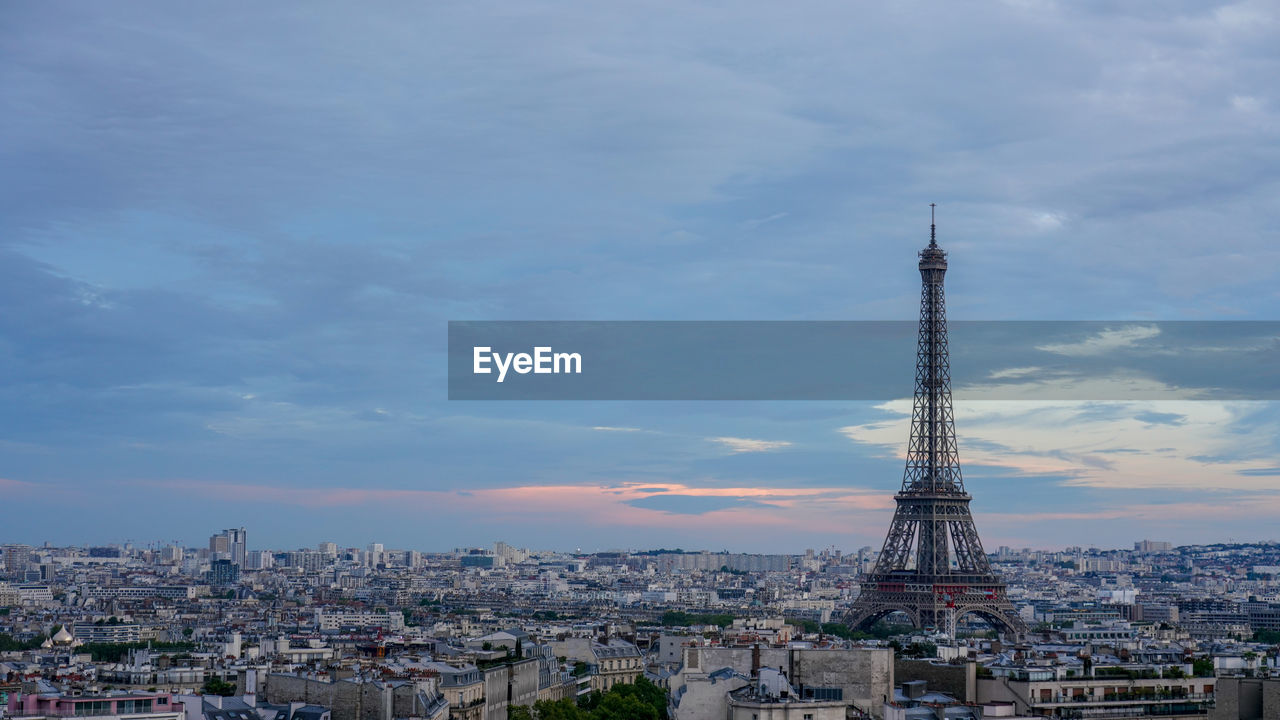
(231, 544)
(168, 592)
(15, 559)
(104, 705)
(224, 572)
(34, 594)
(102, 632)
(1247, 699)
(739, 562)
(336, 620)
(463, 688)
(859, 678)
(358, 698)
(216, 707)
(705, 696)
(259, 560)
(616, 662)
(1035, 691)
(507, 684)
(771, 697)
(477, 557)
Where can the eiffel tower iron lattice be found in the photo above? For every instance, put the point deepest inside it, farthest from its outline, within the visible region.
(932, 566)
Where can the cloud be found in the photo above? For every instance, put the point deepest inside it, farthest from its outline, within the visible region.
(754, 223)
(1104, 342)
(1046, 221)
(1135, 445)
(1259, 471)
(590, 507)
(10, 485)
(229, 252)
(1015, 373)
(694, 504)
(747, 445)
(1157, 418)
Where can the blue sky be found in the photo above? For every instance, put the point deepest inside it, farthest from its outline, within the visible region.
(231, 237)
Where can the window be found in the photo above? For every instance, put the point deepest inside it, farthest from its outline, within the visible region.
(132, 707)
(93, 707)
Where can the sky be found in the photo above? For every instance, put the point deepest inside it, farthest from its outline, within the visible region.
(232, 236)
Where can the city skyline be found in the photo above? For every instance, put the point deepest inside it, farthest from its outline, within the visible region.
(140, 545)
(230, 249)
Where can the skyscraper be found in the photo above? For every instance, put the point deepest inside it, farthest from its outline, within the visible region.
(231, 544)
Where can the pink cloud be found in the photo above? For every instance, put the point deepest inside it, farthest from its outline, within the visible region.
(828, 509)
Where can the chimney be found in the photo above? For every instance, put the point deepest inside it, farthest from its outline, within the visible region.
(755, 660)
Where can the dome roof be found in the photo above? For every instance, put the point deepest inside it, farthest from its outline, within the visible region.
(62, 636)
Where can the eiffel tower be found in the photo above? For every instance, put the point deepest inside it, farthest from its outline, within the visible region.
(932, 566)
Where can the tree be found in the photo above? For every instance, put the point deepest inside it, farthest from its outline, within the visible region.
(7, 642)
(617, 706)
(680, 618)
(215, 686)
(1267, 636)
(558, 710)
(113, 652)
(1202, 667)
(920, 650)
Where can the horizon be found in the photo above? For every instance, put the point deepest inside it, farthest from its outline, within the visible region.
(156, 544)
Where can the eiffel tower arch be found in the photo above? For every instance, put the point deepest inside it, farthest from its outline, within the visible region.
(932, 566)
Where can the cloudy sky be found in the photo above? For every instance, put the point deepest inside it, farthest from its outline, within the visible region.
(231, 237)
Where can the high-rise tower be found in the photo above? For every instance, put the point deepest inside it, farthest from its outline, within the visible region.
(932, 566)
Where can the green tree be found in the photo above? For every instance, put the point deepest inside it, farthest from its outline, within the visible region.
(618, 706)
(1202, 667)
(680, 618)
(113, 652)
(7, 643)
(920, 650)
(214, 686)
(558, 710)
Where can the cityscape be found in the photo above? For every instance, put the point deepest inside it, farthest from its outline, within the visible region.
(1154, 630)
(931, 626)
(560, 360)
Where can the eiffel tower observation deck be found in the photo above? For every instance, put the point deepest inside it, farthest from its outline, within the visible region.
(932, 567)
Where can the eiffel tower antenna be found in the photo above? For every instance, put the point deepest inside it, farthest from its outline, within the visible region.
(933, 567)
